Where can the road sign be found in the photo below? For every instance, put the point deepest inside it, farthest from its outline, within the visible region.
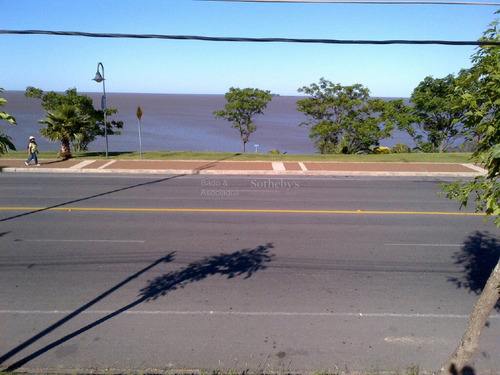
(139, 113)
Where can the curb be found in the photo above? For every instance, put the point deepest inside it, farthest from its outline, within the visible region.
(241, 168)
(242, 172)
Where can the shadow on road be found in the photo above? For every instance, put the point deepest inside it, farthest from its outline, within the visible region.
(478, 257)
(243, 262)
(466, 370)
(206, 166)
(89, 198)
(78, 311)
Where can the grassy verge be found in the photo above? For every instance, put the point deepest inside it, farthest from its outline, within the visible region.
(195, 155)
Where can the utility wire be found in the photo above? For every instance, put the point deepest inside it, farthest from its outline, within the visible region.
(254, 40)
(394, 2)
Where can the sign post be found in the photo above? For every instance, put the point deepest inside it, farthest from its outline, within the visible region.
(139, 116)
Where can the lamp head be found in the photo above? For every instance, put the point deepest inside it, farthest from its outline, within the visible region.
(98, 77)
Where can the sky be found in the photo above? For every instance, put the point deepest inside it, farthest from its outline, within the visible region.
(202, 67)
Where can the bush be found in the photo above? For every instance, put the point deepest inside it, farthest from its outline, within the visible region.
(467, 146)
(382, 150)
(274, 151)
(401, 148)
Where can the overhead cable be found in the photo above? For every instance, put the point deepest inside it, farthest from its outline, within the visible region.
(254, 40)
(371, 2)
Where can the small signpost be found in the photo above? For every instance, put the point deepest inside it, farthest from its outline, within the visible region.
(139, 116)
(256, 145)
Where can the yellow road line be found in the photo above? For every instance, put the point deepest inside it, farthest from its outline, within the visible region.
(239, 210)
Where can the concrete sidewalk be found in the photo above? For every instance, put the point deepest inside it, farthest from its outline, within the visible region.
(306, 168)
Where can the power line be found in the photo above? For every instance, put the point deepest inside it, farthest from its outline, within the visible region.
(371, 2)
(252, 40)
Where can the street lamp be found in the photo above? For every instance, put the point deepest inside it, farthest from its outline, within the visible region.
(100, 78)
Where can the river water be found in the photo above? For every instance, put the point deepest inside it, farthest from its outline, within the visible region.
(176, 122)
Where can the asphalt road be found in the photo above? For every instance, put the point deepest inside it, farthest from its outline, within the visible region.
(158, 273)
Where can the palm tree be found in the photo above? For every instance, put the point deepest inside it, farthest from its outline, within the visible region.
(64, 124)
(5, 141)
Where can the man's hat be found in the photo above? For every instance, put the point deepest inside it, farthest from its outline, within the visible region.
(32, 137)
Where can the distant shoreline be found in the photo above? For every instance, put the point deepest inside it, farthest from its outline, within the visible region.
(177, 122)
(92, 93)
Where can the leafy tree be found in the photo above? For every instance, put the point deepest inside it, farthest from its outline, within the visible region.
(5, 141)
(480, 92)
(432, 118)
(343, 119)
(64, 124)
(437, 113)
(241, 108)
(52, 102)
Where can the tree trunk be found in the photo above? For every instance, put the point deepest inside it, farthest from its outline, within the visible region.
(441, 145)
(244, 146)
(478, 319)
(65, 149)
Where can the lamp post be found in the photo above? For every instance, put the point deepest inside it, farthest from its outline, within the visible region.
(100, 78)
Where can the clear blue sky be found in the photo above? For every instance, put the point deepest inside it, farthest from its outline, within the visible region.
(166, 66)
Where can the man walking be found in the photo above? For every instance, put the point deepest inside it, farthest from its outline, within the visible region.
(32, 151)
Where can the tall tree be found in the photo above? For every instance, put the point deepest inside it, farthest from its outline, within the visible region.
(64, 124)
(343, 119)
(241, 108)
(53, 101)
(480, 97)
(436, 113)
(5, 141)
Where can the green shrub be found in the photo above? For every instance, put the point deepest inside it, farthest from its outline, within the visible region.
(401, 148)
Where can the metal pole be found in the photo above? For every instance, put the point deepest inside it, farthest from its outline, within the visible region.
(103, 105)
(139, 116)
(100, 78)
(140, 138)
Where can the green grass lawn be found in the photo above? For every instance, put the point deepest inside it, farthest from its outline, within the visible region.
(195, 155)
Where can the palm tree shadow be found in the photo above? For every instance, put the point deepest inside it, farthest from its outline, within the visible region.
(478, 256)
(243, 262)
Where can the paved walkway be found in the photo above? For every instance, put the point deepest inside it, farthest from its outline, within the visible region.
(178, 167)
